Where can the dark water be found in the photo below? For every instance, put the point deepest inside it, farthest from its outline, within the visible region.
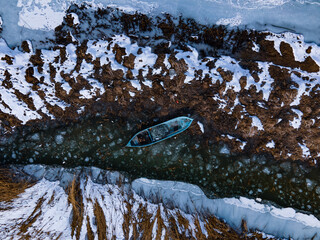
(100, 143)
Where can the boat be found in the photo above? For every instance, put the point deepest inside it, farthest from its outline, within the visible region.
(160, 132)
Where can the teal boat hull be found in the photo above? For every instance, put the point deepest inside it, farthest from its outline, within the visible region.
(160, 132)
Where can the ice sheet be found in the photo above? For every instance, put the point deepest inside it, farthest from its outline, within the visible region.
(24, 18)
(281, 222)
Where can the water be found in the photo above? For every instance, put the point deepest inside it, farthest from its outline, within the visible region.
(185, 157)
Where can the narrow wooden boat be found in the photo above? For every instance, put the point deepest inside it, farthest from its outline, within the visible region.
(160, 132)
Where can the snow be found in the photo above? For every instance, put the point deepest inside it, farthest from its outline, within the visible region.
(282, 222)
(256, 123)
(296, 122)
(147, 83)
(270, 144)
(144, 62)
(75, 18)
(201, 126)
(53, 219)
(304, 86)
(183, 197)
(305, 150)
(242, 145)
(296, 41)
(225, 150)
(255, 47)
(136, 84)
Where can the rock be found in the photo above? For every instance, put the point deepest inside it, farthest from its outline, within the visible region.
(128, 61)
(119, 52)
(26, 46)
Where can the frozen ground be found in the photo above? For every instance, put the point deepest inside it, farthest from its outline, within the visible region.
(29, 19)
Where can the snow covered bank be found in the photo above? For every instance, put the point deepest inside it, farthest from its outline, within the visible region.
(109, 211)
(285, 222)
(125, 207)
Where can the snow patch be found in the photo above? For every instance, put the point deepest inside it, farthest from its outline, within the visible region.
(296, 122)
(75, 19)
(201, 126)
(256, 123)
(270, 144)
(305, 150)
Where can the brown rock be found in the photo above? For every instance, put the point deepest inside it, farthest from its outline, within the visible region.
(287, 53)
(179, 66)
(129, 74)
(8, 59)
(243, 82)
(128, 61)
(119, 53)
(7, 81)
(29, 76)
(309, 50)
(36, 60)
(226, 75)
(24, 98)
(25, 47)
(309, 65)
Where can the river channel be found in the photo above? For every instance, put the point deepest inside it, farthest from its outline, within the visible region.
(101, 142)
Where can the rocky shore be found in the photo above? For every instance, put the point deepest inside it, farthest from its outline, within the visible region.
(256, 91)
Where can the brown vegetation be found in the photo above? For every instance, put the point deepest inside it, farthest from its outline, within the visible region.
(75, 198)
(90, 234)
(173, 224)
(101, 221)
(9, 187)
(139, 223)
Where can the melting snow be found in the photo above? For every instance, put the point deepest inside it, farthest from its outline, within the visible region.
(296, 122)
(201, 126)
(305, 150)
(136, 84)
(270, 144)
(256, 123)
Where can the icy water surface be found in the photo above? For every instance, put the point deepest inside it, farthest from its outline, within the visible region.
(101, 143)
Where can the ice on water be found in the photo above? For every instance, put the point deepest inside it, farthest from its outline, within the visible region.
(27, 19)
(282, 222)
